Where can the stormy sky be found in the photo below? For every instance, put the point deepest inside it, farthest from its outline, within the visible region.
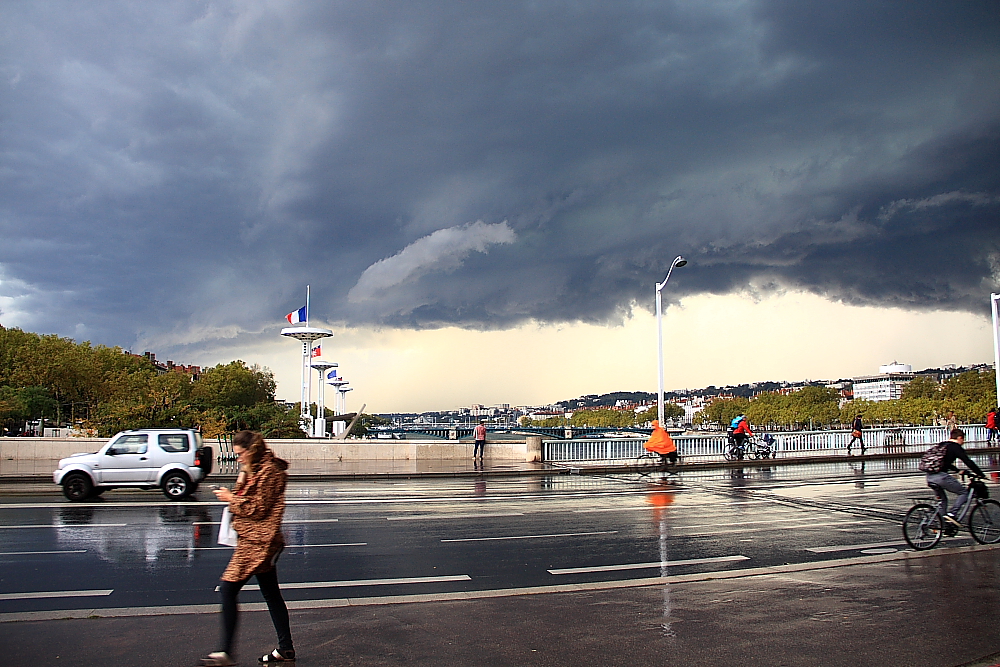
(174, 174)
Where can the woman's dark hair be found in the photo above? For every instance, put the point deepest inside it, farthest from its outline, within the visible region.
(254, 443)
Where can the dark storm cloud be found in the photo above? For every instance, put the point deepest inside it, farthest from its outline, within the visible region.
(176, 172)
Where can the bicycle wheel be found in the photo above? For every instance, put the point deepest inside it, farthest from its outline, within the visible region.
(646, 463)
(922, 527)
(731, 453)
(984, 522)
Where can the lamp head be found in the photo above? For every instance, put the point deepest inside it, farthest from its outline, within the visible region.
(679, 261)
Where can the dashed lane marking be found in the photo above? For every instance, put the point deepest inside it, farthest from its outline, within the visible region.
(643, 566)
(330, 603)
(854, 547)
(436, 517)
(365, 582)
(65, 525)
(39, 595)
(284, 522)
(42, 553)
(529, 537)
(287, 546)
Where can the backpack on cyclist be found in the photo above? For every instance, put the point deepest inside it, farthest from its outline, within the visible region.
(930, 462)
(736, 422)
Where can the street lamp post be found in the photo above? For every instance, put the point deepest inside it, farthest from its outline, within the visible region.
(996, 344)
(677, 263)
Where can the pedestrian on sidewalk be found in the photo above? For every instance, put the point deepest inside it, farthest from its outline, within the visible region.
(479, 435)
(257, 504)
(950, 422)
(991, 425)
(856, 434)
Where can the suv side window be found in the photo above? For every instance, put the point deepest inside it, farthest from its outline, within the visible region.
(129, 444)
(173, 442)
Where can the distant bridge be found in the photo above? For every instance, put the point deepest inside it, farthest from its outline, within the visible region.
(455, 432)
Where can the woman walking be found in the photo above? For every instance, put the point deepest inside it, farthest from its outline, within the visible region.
(856, 434)
(257, 504)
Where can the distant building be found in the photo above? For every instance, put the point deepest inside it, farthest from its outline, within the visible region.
(886, 386)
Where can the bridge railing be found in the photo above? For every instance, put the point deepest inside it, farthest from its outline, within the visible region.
(881, 440)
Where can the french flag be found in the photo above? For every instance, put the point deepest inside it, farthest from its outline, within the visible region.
(297, 316)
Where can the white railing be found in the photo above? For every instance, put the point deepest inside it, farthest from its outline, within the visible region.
(880, 440)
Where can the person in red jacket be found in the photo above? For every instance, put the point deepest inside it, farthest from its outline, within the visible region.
(991, 424)
(742, 433)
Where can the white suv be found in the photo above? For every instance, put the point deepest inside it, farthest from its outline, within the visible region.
(171, 459)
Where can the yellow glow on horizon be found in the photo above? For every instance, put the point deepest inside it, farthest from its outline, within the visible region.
(708, 340)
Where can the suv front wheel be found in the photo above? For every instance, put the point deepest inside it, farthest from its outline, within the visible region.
(77, 486)
(177, 485)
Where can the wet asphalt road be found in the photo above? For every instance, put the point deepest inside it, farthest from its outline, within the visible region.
(388, 538)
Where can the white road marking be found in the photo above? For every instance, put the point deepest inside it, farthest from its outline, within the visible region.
(679, 531)
(364, 582)
(66, 525)
(42, 553)
(284, 522)
(335, 501)
(287, 546)
(55, 594)
(435, 517)
(852, 547)
(529, 537)
(643, 566)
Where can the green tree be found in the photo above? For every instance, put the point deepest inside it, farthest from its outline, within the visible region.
(670, 411)
(603, 418)
(234, 385)
(721, 411)
(920, 387)
(366, 423)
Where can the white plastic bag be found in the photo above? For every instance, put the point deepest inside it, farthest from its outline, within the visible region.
(227, 535)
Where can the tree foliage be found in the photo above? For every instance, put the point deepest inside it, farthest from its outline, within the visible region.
(110, 390)
(923, 402)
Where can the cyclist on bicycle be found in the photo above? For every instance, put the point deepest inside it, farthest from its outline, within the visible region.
(939, 461)
(742, 432)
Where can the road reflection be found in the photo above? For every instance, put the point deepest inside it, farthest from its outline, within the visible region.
(177, 528)
(661, 496)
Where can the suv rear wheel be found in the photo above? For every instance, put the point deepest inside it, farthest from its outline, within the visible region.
(177, 485)
(77, 486)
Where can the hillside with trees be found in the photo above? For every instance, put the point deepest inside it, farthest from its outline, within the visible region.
(106, 390)
(923, 402)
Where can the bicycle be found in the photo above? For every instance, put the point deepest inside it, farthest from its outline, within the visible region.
(924, 525)
(649, 462)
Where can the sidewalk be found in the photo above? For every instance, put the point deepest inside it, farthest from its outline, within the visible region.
(921, 610)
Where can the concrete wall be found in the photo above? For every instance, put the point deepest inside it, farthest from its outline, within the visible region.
(53, 449)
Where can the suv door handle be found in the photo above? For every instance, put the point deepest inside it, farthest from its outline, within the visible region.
(142, 458)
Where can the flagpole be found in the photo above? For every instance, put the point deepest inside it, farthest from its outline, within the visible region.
(307, 366)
